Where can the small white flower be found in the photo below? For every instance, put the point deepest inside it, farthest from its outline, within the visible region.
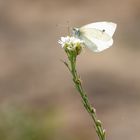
(70, 42)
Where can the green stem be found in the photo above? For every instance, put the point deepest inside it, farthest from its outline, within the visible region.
(97, 123)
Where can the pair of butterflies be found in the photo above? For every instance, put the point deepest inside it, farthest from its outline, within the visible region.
(96, 36)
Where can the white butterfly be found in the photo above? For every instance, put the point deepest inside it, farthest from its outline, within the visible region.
(96, 36)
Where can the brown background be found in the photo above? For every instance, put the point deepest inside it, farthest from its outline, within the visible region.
(33, 79)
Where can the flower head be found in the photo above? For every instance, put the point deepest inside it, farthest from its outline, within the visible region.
(71, 43)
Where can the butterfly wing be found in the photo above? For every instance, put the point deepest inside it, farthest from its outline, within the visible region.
(95, 33)
(108, 27)
(98, 36)
(96, 45)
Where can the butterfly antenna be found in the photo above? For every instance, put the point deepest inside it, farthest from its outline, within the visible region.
(68, 27)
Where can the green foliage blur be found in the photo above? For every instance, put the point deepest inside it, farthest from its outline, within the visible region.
(17, 125)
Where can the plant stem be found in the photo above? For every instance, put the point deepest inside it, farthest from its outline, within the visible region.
(76, 79)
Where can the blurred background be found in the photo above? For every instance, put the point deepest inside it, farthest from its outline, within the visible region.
(37, 98)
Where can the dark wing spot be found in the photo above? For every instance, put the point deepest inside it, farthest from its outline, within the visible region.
(103, 30)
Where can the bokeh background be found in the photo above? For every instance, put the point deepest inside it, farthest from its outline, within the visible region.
(37, 97)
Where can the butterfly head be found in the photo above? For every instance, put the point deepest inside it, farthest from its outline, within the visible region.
(76, 32)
